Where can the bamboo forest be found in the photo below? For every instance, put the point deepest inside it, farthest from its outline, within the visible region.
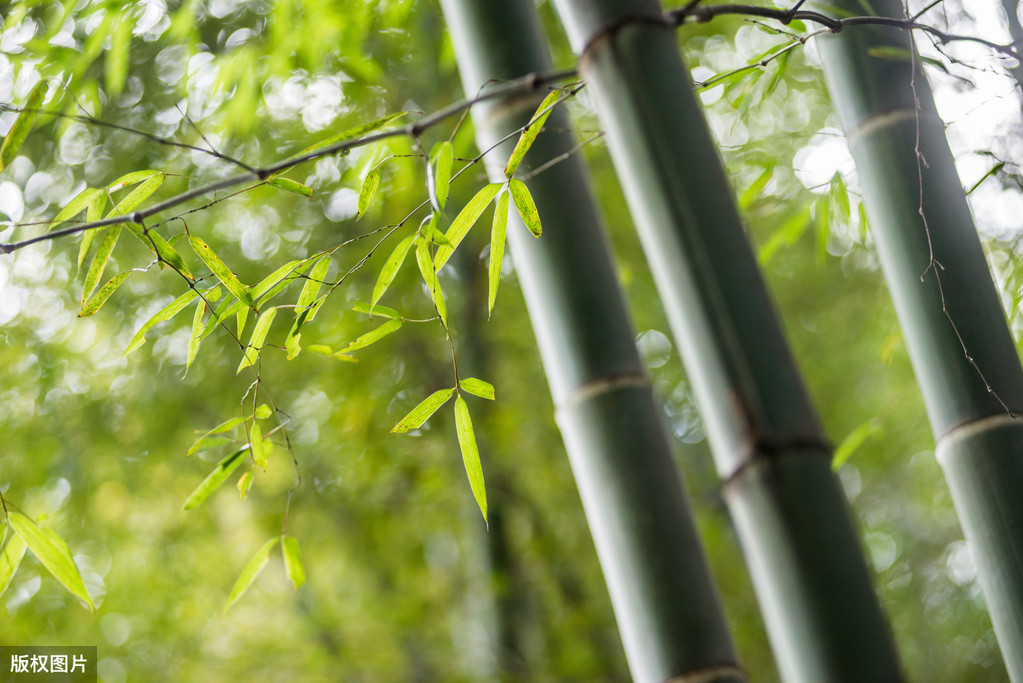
(536, 340)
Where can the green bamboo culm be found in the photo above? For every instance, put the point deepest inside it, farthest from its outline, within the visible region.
(666, 605)
(812, 581)
(935, 264)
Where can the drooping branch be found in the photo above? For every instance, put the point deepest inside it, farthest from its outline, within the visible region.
(698, 14)
(692, 12)
(257, 175)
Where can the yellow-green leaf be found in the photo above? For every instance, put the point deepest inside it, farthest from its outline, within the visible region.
(311, 288)
(151, 182)
(104, 293)
(293, 561)
(99, 261)
(244, 484)
(251, 571)
(116, 61)
(422, 412)
(275, 282)
(525, 206)
(529, 134)
(10, 558)
(478, 387)
(215, 478)
(132, 178)
(353, 133)
(497, 240)
(53, 553)
(373, 336)
(259, 333)
(74, 207)
(376, 310)
(390, 269)
(224, 426)
(439, 174)
(856, 438)
(426, 267)
(369, 190)
(166, 313)
(196, 336)
(466, 218)
(93, 214)
(263, 411)
(291, 186)
(22, 125)
(220, 269)
(256, 445)
(470, 454)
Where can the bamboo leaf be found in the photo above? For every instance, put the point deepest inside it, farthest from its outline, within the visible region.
(10, 559)
(438, 174)
(53, 553)
(196, 336)
(787, 233)
(256, 445)
(104, 293)
(116, 61)
(524, 203)
(353, 133)
(166, 252)
(373, 336)
(470, 454)
(854, 439)
(74, 207)
(426, 268)
(99, 261)
(528, 136)
(22, 125)
(466, 218)
(132, 178)
(94, 213)
(268, 286)
(376, 310)
(242, 316)
(369, 190)
(259, 333)
(497, 240)
(422, 412)
(291, 186)
(244, 484)
(215, 478)
(390, 269)
(166, 313)
(263, 412)
(224, 426)
(311, 288)
(477, 387)
(151, 182)
(220, 269)
(251, 571)
(293, 561)
(751, 194)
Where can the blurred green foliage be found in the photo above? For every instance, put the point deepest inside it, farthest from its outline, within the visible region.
(404, 580)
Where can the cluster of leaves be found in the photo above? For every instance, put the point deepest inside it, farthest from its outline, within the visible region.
(433, 248)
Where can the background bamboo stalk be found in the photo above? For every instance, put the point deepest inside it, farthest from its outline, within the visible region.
(948, 307)
(822, 615)
(667, 607)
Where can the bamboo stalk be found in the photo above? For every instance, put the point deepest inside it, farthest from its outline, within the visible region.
(664, 599)
(948, 307)
(813, 584)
